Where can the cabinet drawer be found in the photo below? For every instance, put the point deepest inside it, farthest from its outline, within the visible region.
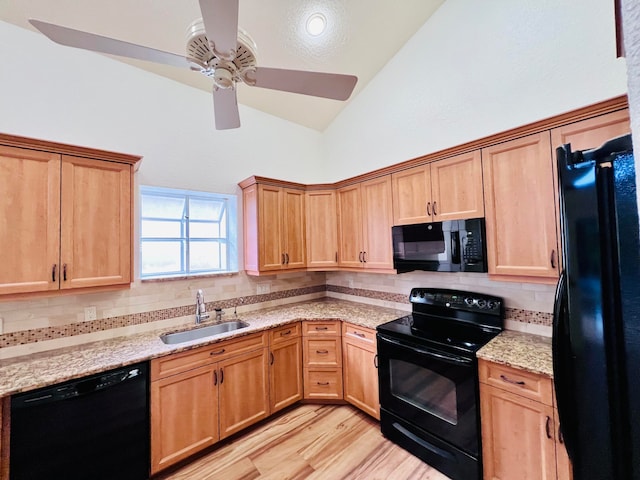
(364, 336)
(530, 385)
(181, 362)
(282, 334)
(323, 383)
(322, 352)
(331, 328)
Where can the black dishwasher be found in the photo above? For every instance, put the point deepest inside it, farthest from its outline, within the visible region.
(92, 428)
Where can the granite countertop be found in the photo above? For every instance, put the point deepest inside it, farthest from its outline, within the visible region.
(33, 371)
(520, 350)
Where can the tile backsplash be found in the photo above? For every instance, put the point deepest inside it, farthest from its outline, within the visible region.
(32, 325)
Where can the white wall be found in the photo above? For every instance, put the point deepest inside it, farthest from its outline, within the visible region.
(474, 69)
(72, 96)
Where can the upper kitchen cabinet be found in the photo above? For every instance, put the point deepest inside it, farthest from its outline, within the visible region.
(364, 225)
(520, 209)
(322, 229)
(274, 227)
(66, 215)
(593, 132)
(447, 189)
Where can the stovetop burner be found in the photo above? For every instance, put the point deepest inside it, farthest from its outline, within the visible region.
(453, 320)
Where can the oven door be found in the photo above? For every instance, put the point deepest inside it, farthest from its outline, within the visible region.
(431, 389)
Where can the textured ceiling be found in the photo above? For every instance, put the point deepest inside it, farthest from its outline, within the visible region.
(361, 36)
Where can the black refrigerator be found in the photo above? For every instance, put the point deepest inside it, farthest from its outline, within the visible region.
(596, 330)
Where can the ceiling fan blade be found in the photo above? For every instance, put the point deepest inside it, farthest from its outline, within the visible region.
(317, 84)
(89, 41)
(225, 106)
(220, 18)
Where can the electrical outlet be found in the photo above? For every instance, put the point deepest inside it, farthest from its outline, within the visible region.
(264, 288)
(90, 313)
(350, 283)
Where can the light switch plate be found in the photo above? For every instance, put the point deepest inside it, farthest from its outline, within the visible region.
(90, 313)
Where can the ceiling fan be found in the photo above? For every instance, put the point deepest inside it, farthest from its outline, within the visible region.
(217, 49)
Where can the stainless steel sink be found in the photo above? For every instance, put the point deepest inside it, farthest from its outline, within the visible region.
(202, 332)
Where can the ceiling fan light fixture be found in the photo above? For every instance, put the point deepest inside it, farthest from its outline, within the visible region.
(316, 24)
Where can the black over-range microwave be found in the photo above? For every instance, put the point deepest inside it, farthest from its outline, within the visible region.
(451, 246)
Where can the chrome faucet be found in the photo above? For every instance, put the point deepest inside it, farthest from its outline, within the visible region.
(201, 310)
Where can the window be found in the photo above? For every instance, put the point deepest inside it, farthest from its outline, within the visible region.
(186, 233)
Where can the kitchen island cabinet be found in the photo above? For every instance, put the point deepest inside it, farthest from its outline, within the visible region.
(519, 426)
(365, 217)
(449, 189)
(68, 212)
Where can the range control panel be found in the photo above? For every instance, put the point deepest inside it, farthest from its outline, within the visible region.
(456, 299)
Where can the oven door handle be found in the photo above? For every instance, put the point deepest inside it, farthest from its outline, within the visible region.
(455, 359)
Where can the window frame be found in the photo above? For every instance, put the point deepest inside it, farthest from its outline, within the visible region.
(184, 240)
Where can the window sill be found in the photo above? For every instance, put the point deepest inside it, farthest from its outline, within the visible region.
(188, 277)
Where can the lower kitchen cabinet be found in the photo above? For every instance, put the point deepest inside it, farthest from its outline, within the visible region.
(360, 373)
(201, 396)
(285, 364)
(519, 427)
(322, 360)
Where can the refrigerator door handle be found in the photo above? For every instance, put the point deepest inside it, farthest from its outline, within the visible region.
(561, 344)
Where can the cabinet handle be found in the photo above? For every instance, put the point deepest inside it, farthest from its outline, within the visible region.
(64, 272)
(219, 352)
(360, 257)
(53, 272)
(322, 328)
(514, 382)
(434, 208)
(283, 259)
(358, 334)
(286, 256)
(284, 334)
(364, 257)
(336, 257)
(560, 436)
(547, 427)
(554, 261)
(215, 378)
(221, 376)
(324, 384)
(375, 360)
(272, 358)
(322, 352)
(428, 209)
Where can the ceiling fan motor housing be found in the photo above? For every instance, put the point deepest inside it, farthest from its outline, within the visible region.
(223, 72)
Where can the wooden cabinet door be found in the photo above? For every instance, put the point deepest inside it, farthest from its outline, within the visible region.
(293, 228)
(591, 133)
(456, 187)
(517, 437)
(184, 415)
(243, 391)
(29, 220)
(412, 195)
(377, 219)
(322, 229)
(350, 245)
(520, 208)
(95, 223)
(271, 244)
(360, 375)
(285, 378)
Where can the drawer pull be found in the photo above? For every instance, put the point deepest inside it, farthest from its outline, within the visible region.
(514, 382)
(324, 384)
(219, 352)
(547, 427)
(322, 352)
(358, 334)
(284, 334)
(322, 328)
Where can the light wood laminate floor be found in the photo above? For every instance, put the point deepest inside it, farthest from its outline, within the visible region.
(324, 442)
